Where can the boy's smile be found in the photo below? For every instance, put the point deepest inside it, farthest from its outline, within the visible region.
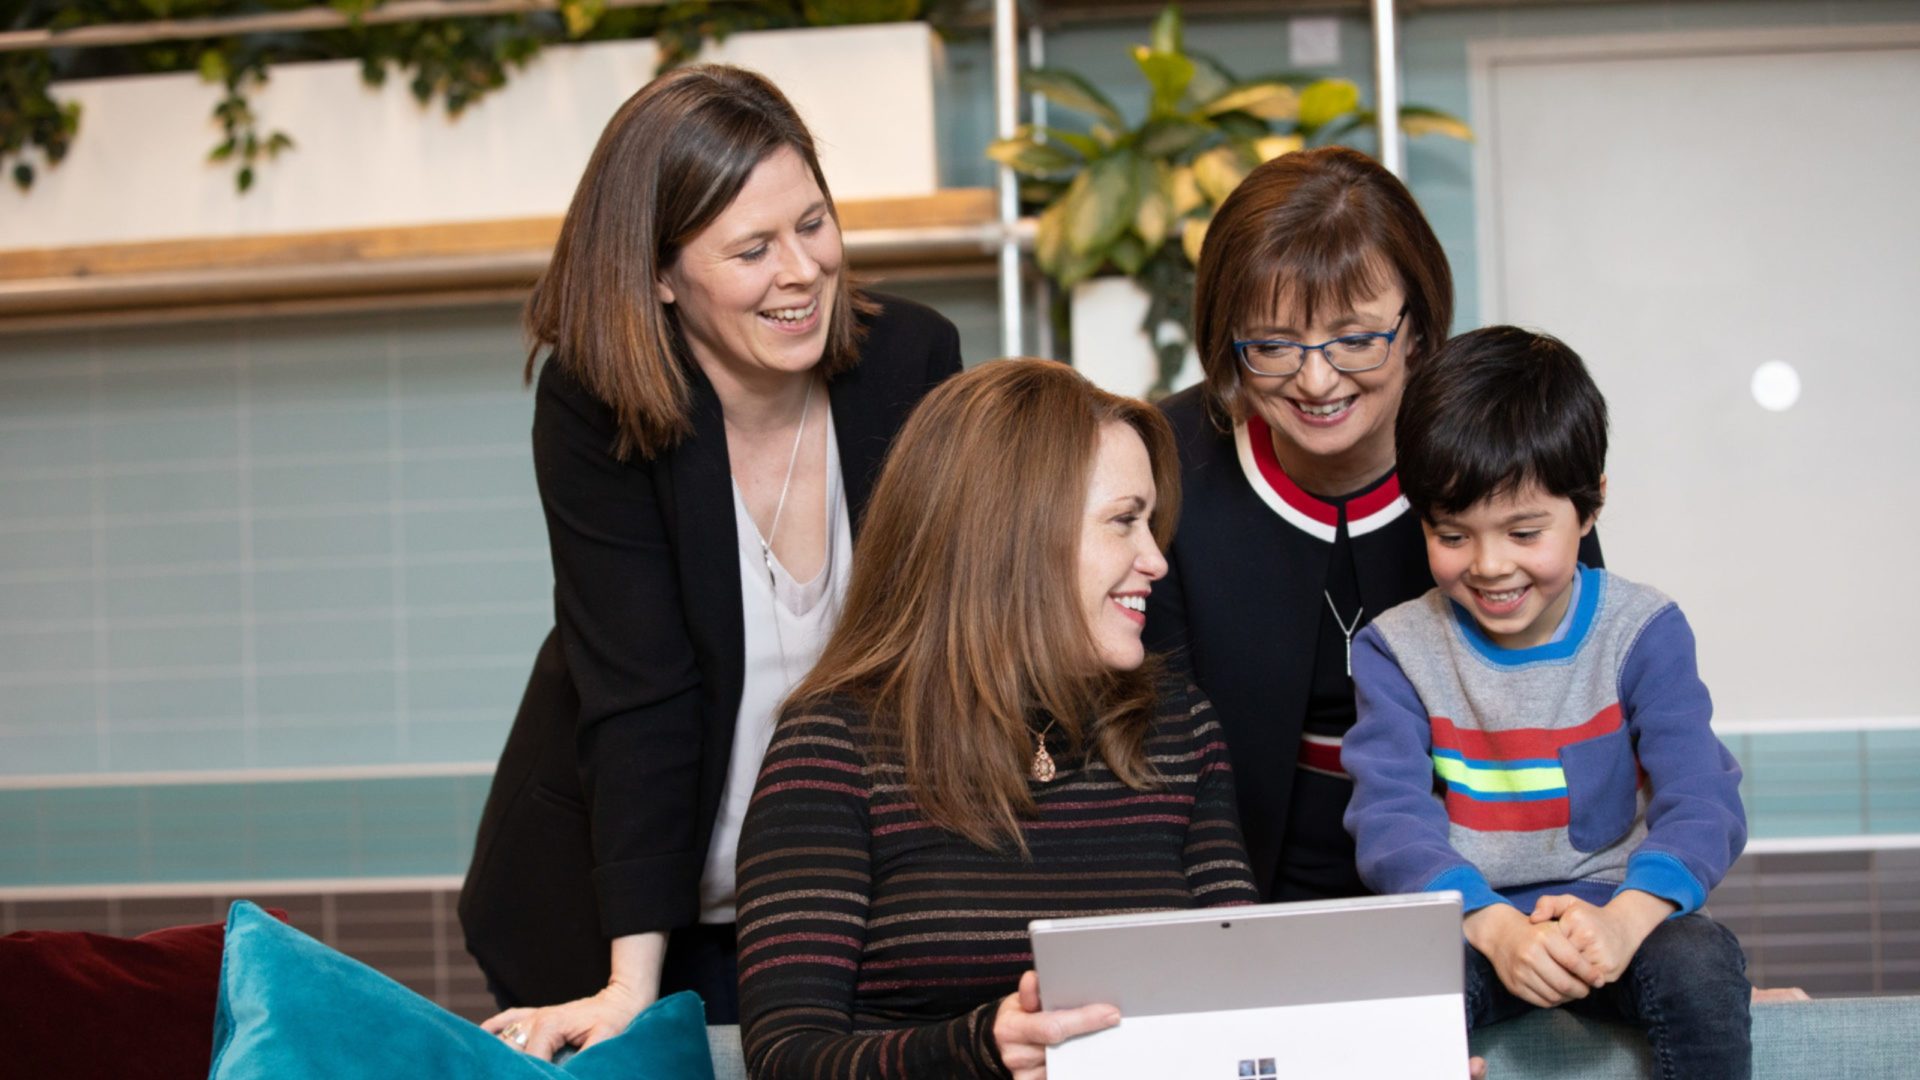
(1509, 560)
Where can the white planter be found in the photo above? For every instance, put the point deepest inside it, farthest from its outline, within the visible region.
(367, 158)
(1108, 345)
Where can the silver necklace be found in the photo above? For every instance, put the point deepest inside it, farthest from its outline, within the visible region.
(1346, 629)
(793, 459)
(773, 530)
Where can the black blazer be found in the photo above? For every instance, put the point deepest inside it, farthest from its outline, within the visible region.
(1240, 610)
(603, 805)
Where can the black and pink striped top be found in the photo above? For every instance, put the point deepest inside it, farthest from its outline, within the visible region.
(873, 944)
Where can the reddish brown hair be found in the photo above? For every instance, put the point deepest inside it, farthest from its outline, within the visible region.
(670, 162)
(963, 620)
(1321, 229)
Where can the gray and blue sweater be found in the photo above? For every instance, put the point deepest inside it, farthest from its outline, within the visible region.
(1585, 765)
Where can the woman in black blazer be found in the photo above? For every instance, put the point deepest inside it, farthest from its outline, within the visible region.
(1293, 533)
(703, 346)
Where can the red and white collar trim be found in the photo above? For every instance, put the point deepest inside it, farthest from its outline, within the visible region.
(1319, 519)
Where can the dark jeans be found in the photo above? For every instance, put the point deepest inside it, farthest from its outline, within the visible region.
(1686, 988)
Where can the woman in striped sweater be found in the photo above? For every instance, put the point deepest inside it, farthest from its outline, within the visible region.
(984, 742)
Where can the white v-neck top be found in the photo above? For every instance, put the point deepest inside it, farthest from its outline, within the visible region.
(787, 623)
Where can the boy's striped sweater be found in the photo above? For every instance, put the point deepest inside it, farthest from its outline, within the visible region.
(1586, 765)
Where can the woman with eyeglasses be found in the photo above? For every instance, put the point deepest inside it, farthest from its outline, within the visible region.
(1320, 286)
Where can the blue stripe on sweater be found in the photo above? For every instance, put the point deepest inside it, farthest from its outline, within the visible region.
(1507, 796)
(1592, 582)
(1498, 763)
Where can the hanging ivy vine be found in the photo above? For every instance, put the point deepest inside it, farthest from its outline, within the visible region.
(455, 62)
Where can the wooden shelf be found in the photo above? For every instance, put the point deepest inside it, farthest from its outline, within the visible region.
(438, 263)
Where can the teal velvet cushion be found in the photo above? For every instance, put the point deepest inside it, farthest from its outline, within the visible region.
(291, 1008)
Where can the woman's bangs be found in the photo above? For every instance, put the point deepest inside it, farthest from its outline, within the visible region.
(1312, 275)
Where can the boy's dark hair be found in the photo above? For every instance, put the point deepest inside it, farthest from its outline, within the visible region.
(1494, 410)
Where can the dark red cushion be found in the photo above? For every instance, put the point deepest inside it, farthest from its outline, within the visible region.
(89, 1005)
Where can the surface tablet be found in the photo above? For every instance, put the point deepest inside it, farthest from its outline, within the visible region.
(1360, 988)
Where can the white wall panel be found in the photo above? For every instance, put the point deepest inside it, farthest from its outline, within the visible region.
(1681, 209)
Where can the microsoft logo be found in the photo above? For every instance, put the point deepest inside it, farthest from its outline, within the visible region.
(1258, 1068)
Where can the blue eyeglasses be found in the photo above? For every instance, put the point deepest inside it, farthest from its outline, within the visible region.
(1349, 353)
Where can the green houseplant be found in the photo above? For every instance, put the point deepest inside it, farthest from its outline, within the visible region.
(1136, 198)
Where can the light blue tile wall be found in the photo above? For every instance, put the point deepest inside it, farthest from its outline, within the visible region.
(238, 832)
(1847, 785)
(219, 538)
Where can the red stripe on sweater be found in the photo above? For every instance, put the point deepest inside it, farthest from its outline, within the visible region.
(806, 785)
(813, 763)
(970, 958)
(799, 958)
(1530, 816)
(1518, 744)
(866, 985)
(788, 939)
(1098, 804)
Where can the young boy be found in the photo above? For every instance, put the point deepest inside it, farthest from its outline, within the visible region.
(1533, 732)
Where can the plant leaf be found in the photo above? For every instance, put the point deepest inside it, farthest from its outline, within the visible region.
(1326, 101)
(1128, 253)
(1272, 146)
(1070, 91)
(213, 66)
(1171, 137)
(1266, 100)
(1184, 189)
(1099, 209)
(1193, 237)
(1050, 237)
(1084, 145)
(1041, 192)
(1418, 120)
(1168, 33)
(1239, 125)
(1168, 73)
(1029, 158)
(1153, 215)
(1210, 77)
(1219, 171)
(1075, 269)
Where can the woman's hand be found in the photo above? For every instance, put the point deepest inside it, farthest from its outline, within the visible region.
(581, 1022)
(1023, 1032)
(633, 985)
(1535, 961)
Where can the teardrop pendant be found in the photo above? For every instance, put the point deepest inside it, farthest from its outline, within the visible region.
(1043, 769)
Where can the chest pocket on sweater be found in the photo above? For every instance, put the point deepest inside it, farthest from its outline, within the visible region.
(1601, 780)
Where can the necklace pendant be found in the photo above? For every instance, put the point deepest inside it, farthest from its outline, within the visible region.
(1349, 658)
(1043, 768)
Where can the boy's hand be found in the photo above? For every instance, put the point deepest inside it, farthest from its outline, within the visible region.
(1607, 937)
(1535, 961)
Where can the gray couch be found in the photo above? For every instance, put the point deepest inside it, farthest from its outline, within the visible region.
(1829, 1039)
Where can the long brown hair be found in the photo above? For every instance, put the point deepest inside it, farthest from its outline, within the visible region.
(670, 161)
(1319, 228)
(963, 621)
